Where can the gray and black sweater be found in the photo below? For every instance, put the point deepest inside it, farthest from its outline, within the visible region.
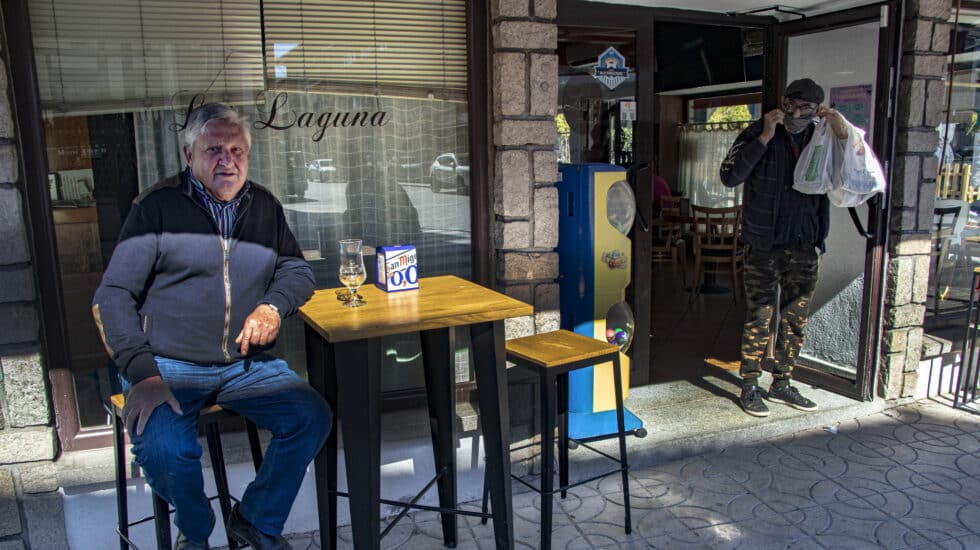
(176, 288)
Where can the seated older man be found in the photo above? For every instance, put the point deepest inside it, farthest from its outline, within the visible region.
(205, 269)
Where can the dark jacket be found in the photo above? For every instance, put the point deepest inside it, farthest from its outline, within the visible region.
(774, 215)
(164, 290)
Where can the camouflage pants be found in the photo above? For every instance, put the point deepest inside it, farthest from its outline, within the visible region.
(790, 275)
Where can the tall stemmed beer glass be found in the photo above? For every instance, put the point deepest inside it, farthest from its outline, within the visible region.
(352, 272)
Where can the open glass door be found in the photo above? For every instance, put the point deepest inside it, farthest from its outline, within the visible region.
(604, 119)
(851, 54)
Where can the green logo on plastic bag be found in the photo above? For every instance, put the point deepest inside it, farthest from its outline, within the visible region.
(814, 166)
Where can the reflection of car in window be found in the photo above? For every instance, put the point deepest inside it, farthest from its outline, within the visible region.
(451, 170)
(322, 170)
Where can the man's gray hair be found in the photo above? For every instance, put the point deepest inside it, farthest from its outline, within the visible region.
(200, 117)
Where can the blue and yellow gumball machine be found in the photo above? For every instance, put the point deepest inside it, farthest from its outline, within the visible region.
(597, 208)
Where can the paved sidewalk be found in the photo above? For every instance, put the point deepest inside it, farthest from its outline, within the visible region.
(907, 477)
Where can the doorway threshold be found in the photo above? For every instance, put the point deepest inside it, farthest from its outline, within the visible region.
(700, 415)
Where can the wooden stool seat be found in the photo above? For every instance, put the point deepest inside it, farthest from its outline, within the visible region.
(552, 355)
(118, 401)
(560, 349)
(208, 418)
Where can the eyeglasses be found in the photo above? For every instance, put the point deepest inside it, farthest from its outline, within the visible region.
(805, 108)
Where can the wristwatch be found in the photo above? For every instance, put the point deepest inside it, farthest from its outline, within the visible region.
(274, 308)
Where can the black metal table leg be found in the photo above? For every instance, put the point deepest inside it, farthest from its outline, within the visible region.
(437, 358)
(322, 377)
(360, 420)
(491, 384)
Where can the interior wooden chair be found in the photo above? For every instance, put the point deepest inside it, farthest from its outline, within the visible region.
(943, 226)
(668, 237)
(669, 246)
(716, 243)
(670, 206)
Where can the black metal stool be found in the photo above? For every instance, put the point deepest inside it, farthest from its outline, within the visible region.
(965, 390)
(209, 418)
(552, 355)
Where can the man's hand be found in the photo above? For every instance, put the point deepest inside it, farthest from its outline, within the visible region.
(144, 397)
(261, 328)
(835, 120)
(770, 121)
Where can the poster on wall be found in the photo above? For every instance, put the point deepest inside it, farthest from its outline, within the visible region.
(854, 102)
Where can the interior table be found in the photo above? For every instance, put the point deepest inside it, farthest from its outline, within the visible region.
(344, 352)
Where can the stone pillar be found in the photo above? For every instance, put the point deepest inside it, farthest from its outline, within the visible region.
(525, 99)
(922, 93)
(28, 490)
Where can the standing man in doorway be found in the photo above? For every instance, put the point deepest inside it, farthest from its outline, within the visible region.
(205, 269)
(782, 230)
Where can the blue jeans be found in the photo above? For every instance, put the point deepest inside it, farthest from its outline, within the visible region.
(263, 389)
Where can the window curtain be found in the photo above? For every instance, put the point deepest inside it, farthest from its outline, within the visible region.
(702, 148)
(158, 146)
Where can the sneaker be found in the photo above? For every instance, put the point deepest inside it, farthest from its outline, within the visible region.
(789, 395)
(751, 401)
(244, 532)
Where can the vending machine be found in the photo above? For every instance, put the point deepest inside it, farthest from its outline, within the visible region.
(597, 209)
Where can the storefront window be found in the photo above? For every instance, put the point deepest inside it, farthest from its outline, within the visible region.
(727, 108)
(956, 228)
(594, 120)
(355, 107)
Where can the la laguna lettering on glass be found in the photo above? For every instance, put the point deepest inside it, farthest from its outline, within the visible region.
(280, 117)
(320, 121)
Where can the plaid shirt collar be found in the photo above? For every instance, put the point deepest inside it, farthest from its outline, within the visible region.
(223, 212)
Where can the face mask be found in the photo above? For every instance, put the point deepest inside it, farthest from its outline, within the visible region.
(796, 125)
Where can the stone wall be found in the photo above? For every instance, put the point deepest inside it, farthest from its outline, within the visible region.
(922, 93)
(30, 506)
(525, 99)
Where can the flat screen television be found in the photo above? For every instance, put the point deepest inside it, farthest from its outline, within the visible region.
(690, 56)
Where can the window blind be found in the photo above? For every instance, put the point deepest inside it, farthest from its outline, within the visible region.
(94, 55)
(414, 48)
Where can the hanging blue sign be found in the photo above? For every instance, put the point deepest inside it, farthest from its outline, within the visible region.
(611, 68)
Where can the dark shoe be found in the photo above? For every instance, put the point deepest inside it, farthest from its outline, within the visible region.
(751, 401)
(246, 533)
(789, 395)
(183, 543)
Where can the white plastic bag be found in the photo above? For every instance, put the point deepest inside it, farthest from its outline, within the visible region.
(860, 176)
(847, 199)
(813, 174)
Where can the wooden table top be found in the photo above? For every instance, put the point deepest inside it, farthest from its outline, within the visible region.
(440, 302)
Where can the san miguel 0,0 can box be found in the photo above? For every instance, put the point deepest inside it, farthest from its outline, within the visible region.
(397, 268)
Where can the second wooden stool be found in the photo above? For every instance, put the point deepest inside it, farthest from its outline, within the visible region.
(552, 355)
